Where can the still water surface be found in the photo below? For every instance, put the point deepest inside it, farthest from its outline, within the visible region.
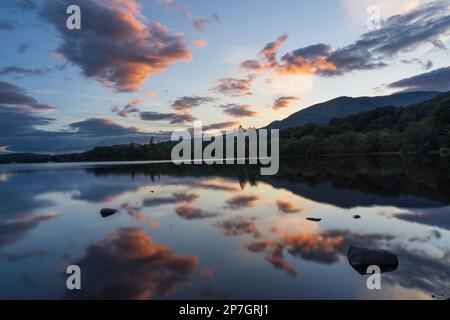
(224, 232)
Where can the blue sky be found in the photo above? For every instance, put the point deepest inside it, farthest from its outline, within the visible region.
(78, 90)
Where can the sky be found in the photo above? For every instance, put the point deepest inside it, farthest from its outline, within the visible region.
(143, 68)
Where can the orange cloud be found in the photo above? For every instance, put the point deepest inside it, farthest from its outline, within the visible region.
(200, 43)
(129, 265)
(116, 45)
(284, 102)
(155, 224)
(242, 201)
(288, 207)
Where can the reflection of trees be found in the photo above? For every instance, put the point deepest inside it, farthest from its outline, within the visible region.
(129, 265)
(387, 176)
(414, 181)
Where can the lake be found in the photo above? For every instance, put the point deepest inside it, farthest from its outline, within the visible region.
(224, 232)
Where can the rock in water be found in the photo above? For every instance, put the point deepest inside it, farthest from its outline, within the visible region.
(361, 258)
(106, 212)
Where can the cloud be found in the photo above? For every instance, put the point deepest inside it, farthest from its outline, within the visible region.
(425, 64)
(19, 72)
(238, 226)
(174, 6)
(181, 106)
(436, 80)
(399, 34)
(435, 217)
(187, 103)
(221, 125)
(128, 264)
(115, 45)
(14, 231)
(269, 56)
(176, 198)
(24, 46)
(288, 207)
(20, 119)
(95, 127)
(191, 212)
(13, 96)
(18, 6)
(284, 102)
(130, 108)
(242, 201)
(236, 110)
(174, 118)
(234, 87)
(200, 43)
(7, 25)
(201, 23)
(19, 133)
(26, 5)
(217, 185)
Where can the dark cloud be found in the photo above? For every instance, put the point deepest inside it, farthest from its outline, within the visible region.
(187, 103)
(181, 197)
(236, 110)
(436, 80)
(7, 25)
(130, 108)
(114, 45)
(238, 226)
(425, 64)
(26, 5)
(399, 34)
(433, 217)
(234, 87)
(283, 102)
(14, 231)
(13, 96)
(288, 207)
(19, 72)
(95, 127)
(128, 264)
(221, 125)
(24, 46)
(19, 132)
(242, 201)
(174, 118)
(192, 212)
(16, 123)
(201, 23)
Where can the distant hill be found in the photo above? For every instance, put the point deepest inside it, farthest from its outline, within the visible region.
(419, 128)
(340, 107)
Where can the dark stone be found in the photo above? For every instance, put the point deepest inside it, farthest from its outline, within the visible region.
(361, 258)
(106, 212)
(314, 219)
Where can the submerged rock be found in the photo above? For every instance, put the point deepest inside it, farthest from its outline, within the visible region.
(314, 219)
(106, 212)
(361, 258)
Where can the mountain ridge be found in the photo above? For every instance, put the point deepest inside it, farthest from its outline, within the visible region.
(322, 113)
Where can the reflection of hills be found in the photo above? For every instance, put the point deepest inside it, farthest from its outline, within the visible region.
(367, 181)
(341, 181)
(346, 198)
